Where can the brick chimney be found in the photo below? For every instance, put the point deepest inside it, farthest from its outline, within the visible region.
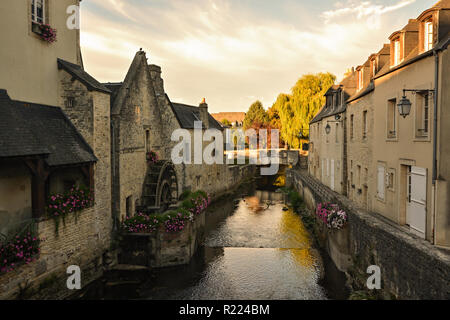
(204, 116)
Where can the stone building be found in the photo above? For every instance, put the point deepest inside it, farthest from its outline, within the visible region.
(397, 127)
(144, 120)
(55, 133)
(328, 136)
(360, 130)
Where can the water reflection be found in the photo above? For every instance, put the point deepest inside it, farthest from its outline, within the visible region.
(257, 252)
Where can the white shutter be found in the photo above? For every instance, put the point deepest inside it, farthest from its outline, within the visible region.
(381, 182)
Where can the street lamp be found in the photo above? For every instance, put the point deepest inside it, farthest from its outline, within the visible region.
(328, 129)
(404, 106)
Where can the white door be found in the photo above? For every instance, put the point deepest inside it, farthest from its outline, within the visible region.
(332, 175)
(416, 205)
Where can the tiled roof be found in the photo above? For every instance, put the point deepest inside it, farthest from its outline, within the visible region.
(368, 89)
(230, 116)
(187, 115)
(77, 72)
(28, 129)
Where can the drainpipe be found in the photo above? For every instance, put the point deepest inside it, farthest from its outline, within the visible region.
(435, 124)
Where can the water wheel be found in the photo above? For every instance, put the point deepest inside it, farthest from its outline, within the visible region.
(161, 186)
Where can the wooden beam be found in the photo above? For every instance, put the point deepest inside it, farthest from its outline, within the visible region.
(40, 176)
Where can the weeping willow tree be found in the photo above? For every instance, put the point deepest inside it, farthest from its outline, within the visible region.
(296, 110)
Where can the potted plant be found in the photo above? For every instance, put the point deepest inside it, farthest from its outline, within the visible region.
(45, 32)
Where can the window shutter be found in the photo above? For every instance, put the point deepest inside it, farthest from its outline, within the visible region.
(381, 182)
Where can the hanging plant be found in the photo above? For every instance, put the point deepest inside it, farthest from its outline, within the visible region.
(332, 216)
(20, 249)
(152, 157)
(47, 33)
(59, 205)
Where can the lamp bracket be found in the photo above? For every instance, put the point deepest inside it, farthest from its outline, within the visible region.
(414, 91)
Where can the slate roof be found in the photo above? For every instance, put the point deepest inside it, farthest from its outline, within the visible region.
(186, 116)
(28, 129)
(114, 87)
(77, 72)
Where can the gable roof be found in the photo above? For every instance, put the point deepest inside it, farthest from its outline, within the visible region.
(77, 72)
(29, 129)
(187, 115)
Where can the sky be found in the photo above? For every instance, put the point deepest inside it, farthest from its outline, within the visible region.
(234, 52)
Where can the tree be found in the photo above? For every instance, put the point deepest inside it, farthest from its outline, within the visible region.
(255, 115)
(226, 122)
(293, 112)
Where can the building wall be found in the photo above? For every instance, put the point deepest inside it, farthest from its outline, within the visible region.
(442, 223)
(15, 196)
(29, 71)
(328, 152)
(406, 149)
(360, 151)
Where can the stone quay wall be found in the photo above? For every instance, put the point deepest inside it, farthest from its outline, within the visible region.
(411, 268)
(78, 242)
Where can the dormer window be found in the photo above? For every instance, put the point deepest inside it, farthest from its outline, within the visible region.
(428, 35)
(360, 78)
(38, 11)
(373, 63)
(396, 52)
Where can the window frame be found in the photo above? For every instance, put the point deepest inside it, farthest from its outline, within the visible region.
(391, 135)
(427, 33)
(397, 52)
(34, 13)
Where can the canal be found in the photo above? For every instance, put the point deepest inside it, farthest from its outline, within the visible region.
(256, 248)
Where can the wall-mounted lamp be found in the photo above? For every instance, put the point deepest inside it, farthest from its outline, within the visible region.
(404, 106)
(328, 129)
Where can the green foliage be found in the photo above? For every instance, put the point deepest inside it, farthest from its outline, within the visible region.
(295, 200)
(293, 112)
(226, 122)
(256, 115)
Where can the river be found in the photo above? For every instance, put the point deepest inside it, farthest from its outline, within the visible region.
(256, 248)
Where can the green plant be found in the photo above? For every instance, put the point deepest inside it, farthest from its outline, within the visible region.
(59, 205)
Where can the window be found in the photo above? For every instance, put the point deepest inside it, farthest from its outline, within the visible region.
(422, 115)
(374, 67)
(70, 102)
(360, 78)
(358, 177)
(364, 133)
(351, 127)
(391, 119)
(147, 140)
(381, 182)
(397, 52)
(38, 11)
(428, 35)
(391, 179)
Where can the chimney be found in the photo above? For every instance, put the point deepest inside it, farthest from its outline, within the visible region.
(204, 116)
(158, 82)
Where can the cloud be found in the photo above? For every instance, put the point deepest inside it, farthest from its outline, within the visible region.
(223, 50)
(362, 9)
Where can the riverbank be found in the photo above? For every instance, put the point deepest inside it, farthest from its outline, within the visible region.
(411, 268)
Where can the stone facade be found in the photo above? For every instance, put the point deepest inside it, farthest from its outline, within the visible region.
(393, 164)
(411, 268)
(144, 120)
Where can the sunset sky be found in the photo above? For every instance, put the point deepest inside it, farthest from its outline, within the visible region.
(234, 52)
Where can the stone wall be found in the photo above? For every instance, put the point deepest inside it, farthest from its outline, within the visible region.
(75, 243)
(163, 249)
(411, 268)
